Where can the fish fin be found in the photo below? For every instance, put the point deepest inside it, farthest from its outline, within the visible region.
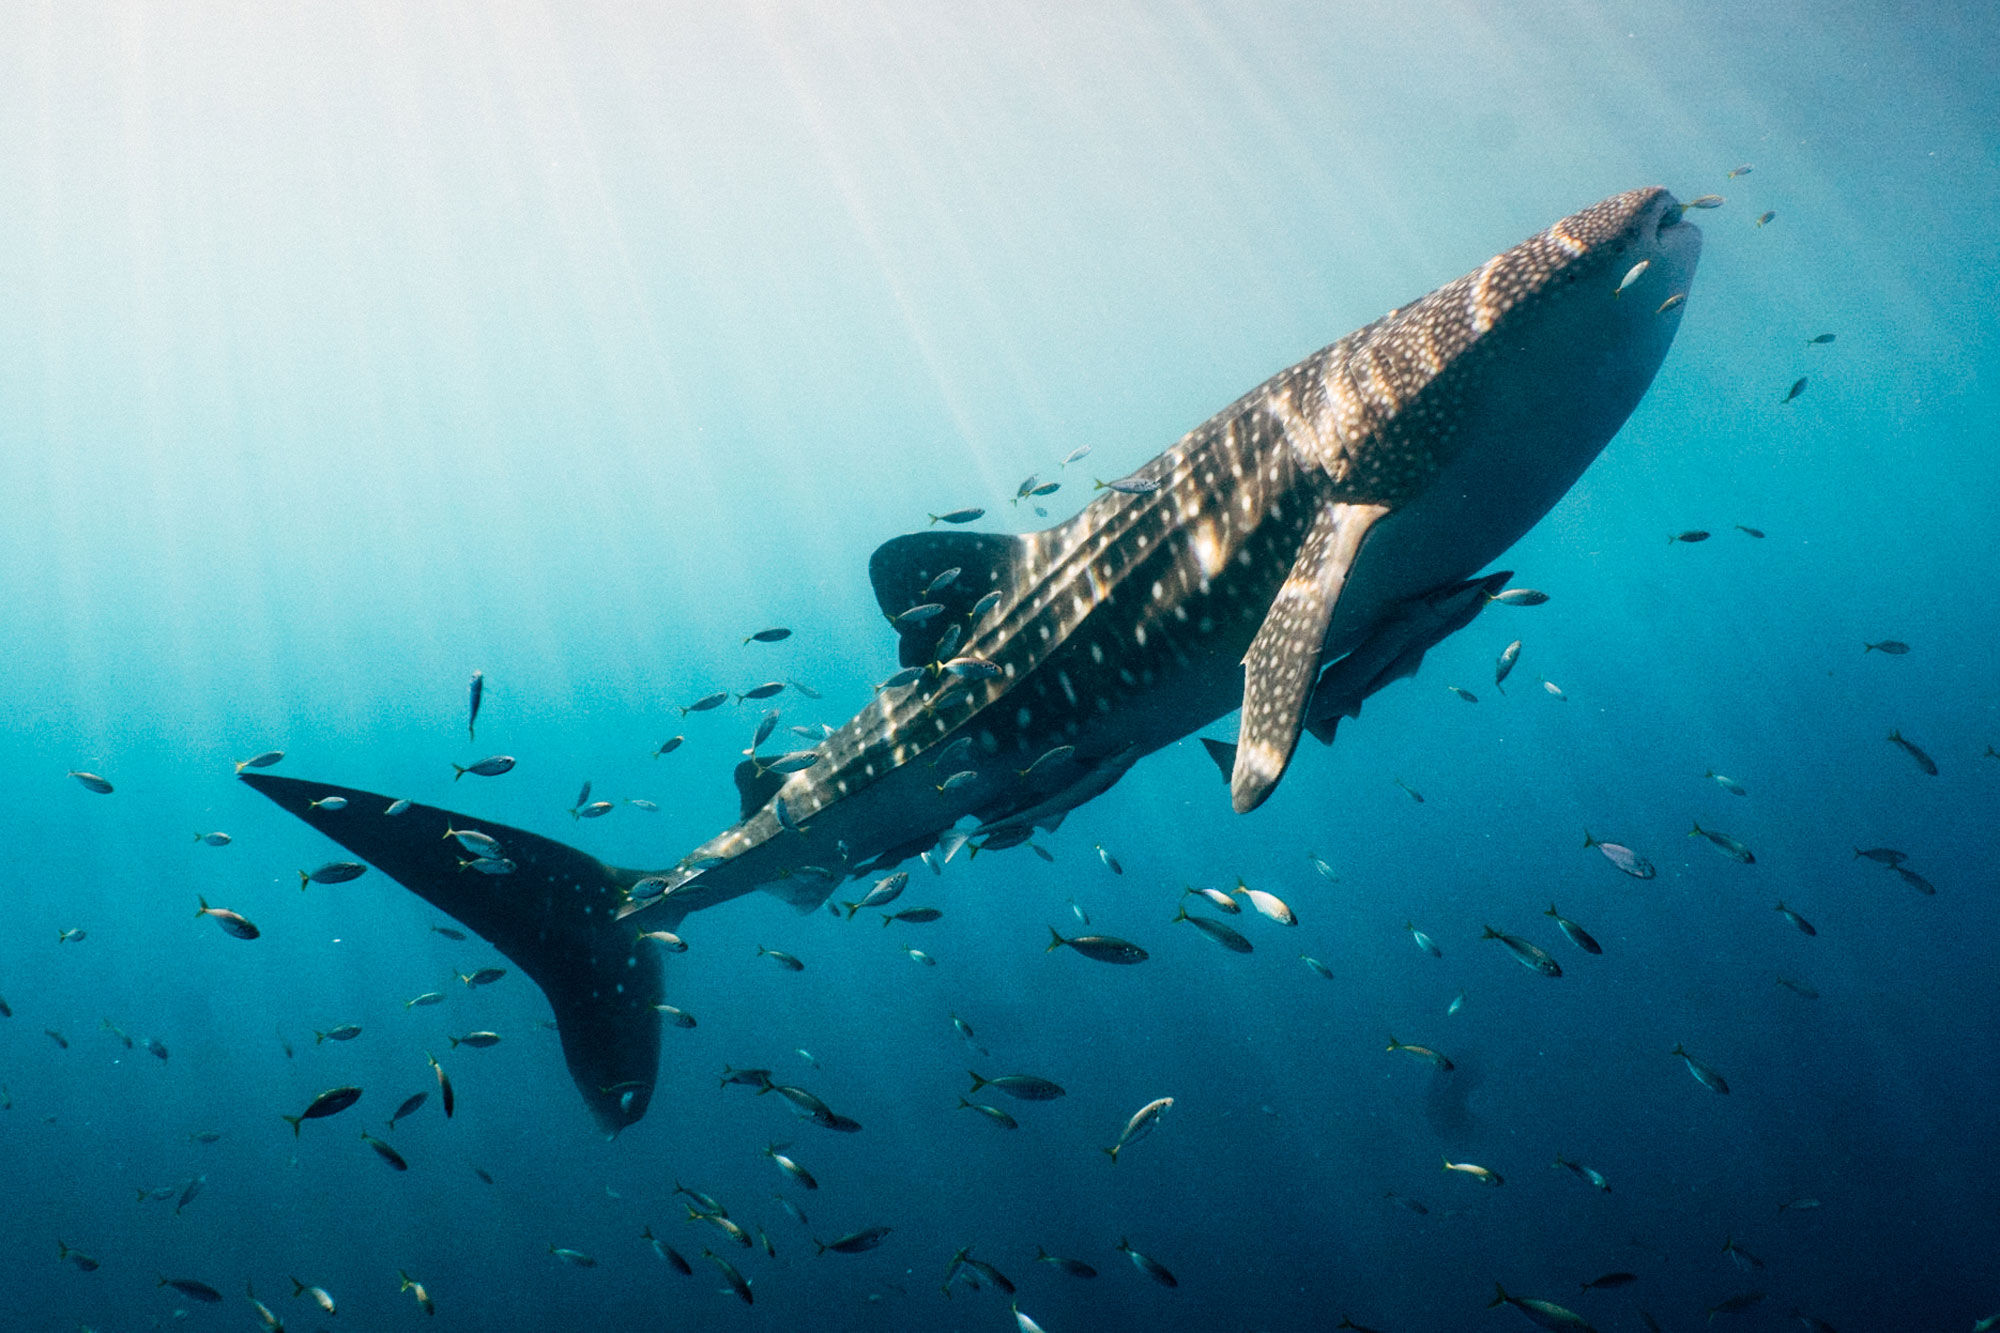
(1223, 753)
(1283, 661)
(755, 786)
(903, 567)
(546, 917)
(1396, 651)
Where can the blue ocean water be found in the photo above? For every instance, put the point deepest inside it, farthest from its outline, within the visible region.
(348, 352)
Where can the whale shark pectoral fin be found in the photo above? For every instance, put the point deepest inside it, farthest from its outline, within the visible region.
(1283, 661)
(903, 568)
(553, 916)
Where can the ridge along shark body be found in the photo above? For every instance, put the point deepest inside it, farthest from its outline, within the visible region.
(1292, 555)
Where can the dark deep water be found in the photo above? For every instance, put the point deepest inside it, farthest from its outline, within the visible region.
(346, 353)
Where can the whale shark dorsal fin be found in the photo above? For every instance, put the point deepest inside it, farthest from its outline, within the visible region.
(1283, 661)
(553, 916)
(903, 569)
(755, 786)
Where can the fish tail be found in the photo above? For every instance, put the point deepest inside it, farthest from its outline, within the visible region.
(1588, 841)
(203, 909)
(1553, 912)
(1491, 934)
(298, 1287)
(977, 1082)
(818, 1248)
(453, 1040)
(1112, 1153)
(886, 919)
(293, 1121)
(304, 879)
(457, 773)
(1056, 941)
(1500, 1296)
(1697, 831)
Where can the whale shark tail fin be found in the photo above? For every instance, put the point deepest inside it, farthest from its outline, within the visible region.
(553, 914)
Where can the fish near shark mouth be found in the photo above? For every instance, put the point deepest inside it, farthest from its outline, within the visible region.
(1203, 582)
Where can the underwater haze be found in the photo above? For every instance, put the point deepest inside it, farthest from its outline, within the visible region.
(349, 351)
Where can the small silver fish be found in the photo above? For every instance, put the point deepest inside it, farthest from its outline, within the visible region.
(1528, 955)
(1725, 844)
(1909, 747)
(1805, 926)
(1578, 936)
(1215, 930)
(784, 960)
(1623, 857)
(1139, 1126)
(1706, 1075)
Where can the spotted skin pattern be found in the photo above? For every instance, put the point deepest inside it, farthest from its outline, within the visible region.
(1290, 556)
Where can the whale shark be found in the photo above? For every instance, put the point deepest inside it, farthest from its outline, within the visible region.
(1292, 555)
